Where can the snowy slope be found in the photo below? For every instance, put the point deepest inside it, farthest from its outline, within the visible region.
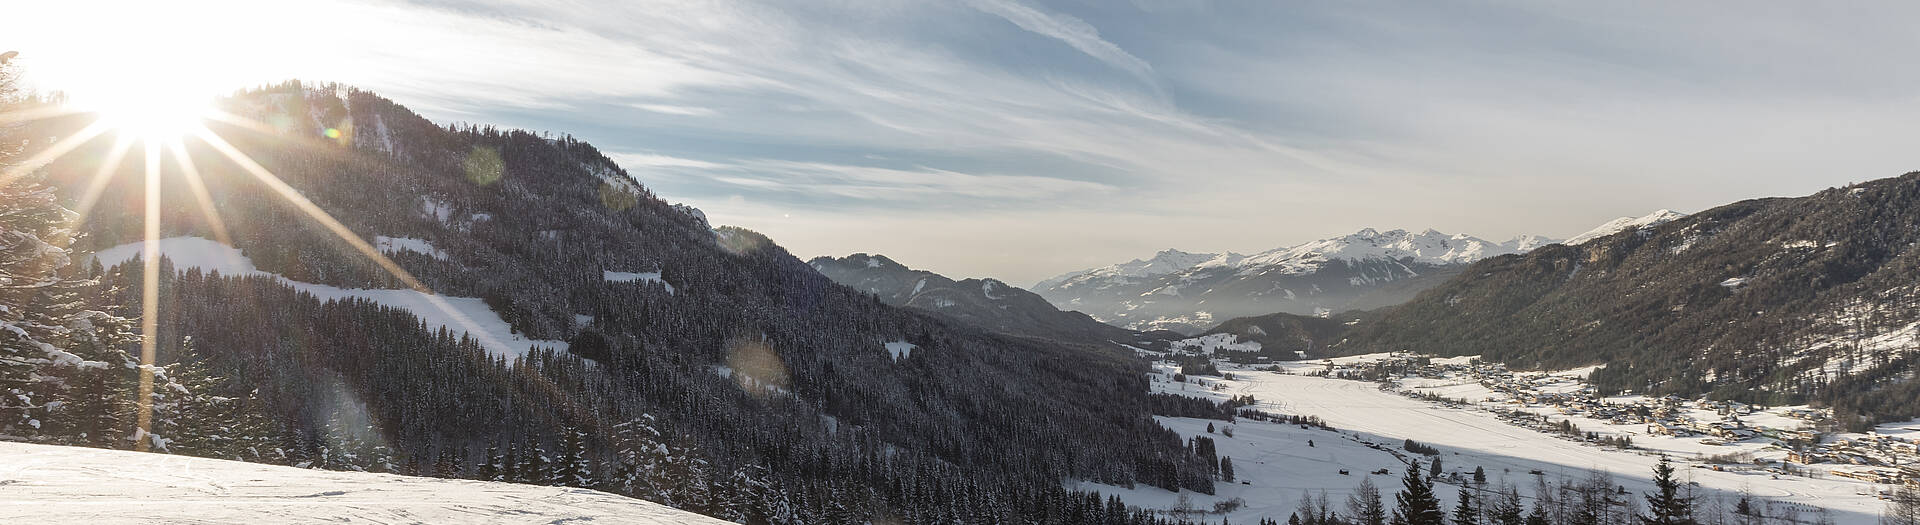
(1429, 247)
(457, 314)
(52, 484)
(1625, 223)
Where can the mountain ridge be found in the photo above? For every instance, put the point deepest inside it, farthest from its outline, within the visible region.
(1188, 292)
(984, 302)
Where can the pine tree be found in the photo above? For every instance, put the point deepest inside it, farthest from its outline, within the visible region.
(576, 469)
(1416, 504)
(1507, 509)
(1666, 505)
(1464, 512)
(1744, 512)
(1539, 516)
(61, 365)
(489, 468)
(1226, 468)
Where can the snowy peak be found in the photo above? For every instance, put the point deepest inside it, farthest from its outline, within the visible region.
(1626, 223)
(1187, 292)
(1526, 243)
(1166, 262)
(1428, 247)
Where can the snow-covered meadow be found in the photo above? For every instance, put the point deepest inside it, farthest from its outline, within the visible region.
(1279, 465)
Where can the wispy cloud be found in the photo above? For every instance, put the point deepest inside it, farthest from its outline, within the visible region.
(1066, 28)
(1094, 130)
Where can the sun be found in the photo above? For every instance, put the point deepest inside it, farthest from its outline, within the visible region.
(146, 113)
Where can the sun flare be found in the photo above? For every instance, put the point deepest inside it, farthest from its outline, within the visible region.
(155, 117)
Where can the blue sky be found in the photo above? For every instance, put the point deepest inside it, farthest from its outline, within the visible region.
(1019, 139)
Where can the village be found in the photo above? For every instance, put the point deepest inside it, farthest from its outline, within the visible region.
(1716, 434)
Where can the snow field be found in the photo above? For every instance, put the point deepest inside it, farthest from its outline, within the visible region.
(467, 315)
(1469, 437)
(53, 484)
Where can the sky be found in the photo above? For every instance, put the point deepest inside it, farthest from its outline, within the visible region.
(1020, 139)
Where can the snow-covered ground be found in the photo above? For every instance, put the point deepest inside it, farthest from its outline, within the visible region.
(628, 277)
(1467, 437)
(1277, 466)
(1208, 344)
(393, 245)
(468, 315)
(51, 484)
(900, 349)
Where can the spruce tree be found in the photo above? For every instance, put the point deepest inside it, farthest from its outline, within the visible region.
(1416, 504)
(1666, 505)
(1464, 512)
(62, 368)
(1507, 509)
(1539, 516)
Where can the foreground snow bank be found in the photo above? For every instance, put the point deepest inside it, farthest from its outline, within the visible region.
(51, 484)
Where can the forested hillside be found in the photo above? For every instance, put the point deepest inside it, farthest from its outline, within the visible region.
(986, 303)
(1783, 300)
(705, 368)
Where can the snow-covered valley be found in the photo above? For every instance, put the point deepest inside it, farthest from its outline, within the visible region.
(55, 484)
(1278, 465)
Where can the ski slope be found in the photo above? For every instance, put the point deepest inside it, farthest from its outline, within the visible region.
(1468, 438)
(53, 484)
(468, 315)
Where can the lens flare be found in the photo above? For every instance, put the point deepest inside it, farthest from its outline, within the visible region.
(161, 122)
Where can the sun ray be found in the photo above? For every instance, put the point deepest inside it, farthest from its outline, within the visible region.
(149, 297)
(28, 115)
(326, 220)
(101, 178)
(312, 210)
(244, 122)
(53, 152)
(191, 174)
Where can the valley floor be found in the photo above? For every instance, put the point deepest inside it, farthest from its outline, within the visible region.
(1278, 465)
(53, 484)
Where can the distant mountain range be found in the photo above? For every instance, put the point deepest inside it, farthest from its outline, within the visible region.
(986, 303)
(1191, 292)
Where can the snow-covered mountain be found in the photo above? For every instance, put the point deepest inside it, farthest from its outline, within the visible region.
(54, 484)
(538, 315)
(1165, 262)
(1189, 292)
(1623, 224)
